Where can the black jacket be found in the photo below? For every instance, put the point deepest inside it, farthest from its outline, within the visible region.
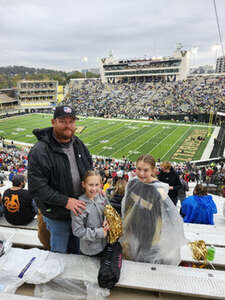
(18, 208)
(116, 202)
(49, 176)
(172, 178)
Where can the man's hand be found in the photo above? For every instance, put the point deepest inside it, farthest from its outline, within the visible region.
(76, 206)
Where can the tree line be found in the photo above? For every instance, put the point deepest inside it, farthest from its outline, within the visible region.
(11, 74)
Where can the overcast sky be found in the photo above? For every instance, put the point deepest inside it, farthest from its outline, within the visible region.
(59, 34)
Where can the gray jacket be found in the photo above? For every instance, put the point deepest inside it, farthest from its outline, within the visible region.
(88, 225)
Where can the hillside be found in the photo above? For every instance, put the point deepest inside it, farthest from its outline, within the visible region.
(11, 74)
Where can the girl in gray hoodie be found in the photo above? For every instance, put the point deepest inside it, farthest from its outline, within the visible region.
(90, 226)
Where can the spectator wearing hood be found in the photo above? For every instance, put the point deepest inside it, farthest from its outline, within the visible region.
(198, 208)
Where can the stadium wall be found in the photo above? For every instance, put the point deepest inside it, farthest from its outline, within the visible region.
(204, 118)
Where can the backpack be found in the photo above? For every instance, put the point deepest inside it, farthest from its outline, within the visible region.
(110, 265)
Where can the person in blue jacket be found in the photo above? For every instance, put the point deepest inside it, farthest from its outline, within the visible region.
(198, 208)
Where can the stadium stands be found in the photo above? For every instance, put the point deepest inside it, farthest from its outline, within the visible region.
(193, 97)
(219, 144)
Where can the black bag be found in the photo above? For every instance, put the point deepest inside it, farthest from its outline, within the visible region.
(110, 265)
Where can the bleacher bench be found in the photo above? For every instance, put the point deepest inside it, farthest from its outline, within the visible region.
(22, 237)
(5, 296)
(150, 277)
(31, 226)
(204, 228)
(216, 239)
(219, 258)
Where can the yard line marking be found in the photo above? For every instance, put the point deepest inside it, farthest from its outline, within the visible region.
(126, 129)
(152, 138)
(118, 128)
(94, 128)
(132, 140)
(176, 142)
(95, 139)
(162, 140)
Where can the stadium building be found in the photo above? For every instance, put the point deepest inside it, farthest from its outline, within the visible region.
(171, 68)
(220, 65)
(34, 91)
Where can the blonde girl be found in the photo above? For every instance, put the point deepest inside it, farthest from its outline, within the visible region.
(90, 226)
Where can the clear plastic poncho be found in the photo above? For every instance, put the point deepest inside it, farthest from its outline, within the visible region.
(152, 227)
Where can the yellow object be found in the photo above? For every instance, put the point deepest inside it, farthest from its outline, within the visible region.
(115, 223)
(199, 250)
(60, 93)
(106, 186)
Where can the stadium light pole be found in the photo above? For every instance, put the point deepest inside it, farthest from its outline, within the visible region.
(85, 60)
(216, 48)
(194, 52)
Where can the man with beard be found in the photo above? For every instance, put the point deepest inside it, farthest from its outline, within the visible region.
(56, 166)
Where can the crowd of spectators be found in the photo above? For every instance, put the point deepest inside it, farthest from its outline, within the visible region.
(125, 169)
(14, 160)
(147, 99)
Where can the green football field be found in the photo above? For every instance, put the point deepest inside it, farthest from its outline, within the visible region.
(118, 138)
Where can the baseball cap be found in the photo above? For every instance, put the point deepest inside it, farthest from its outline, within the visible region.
(64, 111)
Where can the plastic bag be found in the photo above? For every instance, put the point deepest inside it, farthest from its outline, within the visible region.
(61, 289)
(31, 266)
(70, 289)
(7, 241)
(78, 281)
(9, 282)
(152, 226)
(94, 292)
